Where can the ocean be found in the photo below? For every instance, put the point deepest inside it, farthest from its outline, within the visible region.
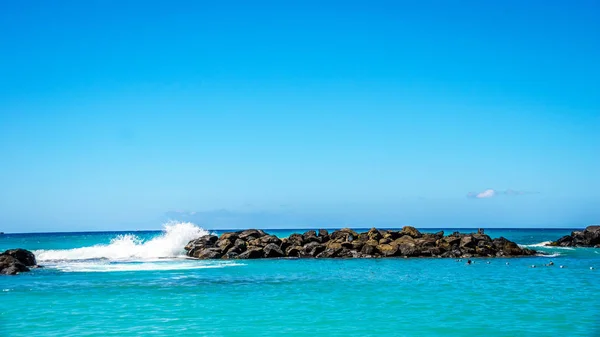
(141, 284)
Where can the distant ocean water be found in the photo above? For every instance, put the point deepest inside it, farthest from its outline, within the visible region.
(141, 284)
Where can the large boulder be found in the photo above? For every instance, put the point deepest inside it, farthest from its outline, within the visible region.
(285, 243)
(452, 240)
(296, 239)
(294, 251)
(208, 253)
(230, 236)
(374, 234)
(344, 234)
(11, 266)
(272, 250)
(391, 235)
(254, 233)
(252, 253)
(589, 237)
(15, 261)
(203, 242)
(355, 245)
(387, 249)
(225, 245)
(369, 249)
(24, 256)
(505, 247)
(468, 241)
(268, 239)
(313, 248)
(311, 236)
(323, 233)
(330, 252)
(333, 245)
(410, 231)
(408, 249)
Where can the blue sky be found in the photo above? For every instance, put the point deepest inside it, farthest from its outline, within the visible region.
(121, 114)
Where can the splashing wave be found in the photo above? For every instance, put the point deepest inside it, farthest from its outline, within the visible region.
(129, 247)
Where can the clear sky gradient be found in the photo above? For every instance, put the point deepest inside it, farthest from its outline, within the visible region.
(121, 114)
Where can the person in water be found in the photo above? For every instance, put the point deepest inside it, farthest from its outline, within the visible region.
(469, 262)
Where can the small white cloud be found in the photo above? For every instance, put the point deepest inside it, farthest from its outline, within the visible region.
(490, 193)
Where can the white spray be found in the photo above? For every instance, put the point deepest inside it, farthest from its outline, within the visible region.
(129, 247)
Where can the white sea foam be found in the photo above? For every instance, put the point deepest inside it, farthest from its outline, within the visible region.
(548, 255)
(545, 244)
(129, 247)
(107, 267)
(541, 244)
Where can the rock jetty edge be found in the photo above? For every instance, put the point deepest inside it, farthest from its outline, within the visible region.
(347, 243)
(589, 237)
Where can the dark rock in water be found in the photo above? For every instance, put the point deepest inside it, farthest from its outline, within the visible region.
(385, 241)
(24, 256)
(252, 253)
(410, 231)
(388, 249)
(368, 249)
(14, 261)
(208, 253)
(268, 239)
(296, 239)
(467, 241)
(408, 249)
(225, 245)
(504, 247)
(294, 251)
(207, 241)
(11, 266)
(344, 234)
(230, 255)
(272, 250)
(254, 233)
(232, 236)
(333, 245)
(313, 248)
(330, 252)
(240, 245)
(374, 234)
(356, 245)
(347, 243)
(589, 237)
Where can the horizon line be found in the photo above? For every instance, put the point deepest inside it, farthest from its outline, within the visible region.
(300, 228)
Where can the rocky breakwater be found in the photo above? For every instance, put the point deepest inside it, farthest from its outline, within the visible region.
(14, 261)
(589, 237)
(347, 243)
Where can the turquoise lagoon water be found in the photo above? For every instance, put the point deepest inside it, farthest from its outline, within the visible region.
(138, 284)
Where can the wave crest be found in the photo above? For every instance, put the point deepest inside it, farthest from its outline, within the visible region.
(541, 244)
(130, 247)
(545, 244)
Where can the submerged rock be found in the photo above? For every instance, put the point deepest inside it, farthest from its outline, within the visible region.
(589, 237)
(14, 261)
(347, 243)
